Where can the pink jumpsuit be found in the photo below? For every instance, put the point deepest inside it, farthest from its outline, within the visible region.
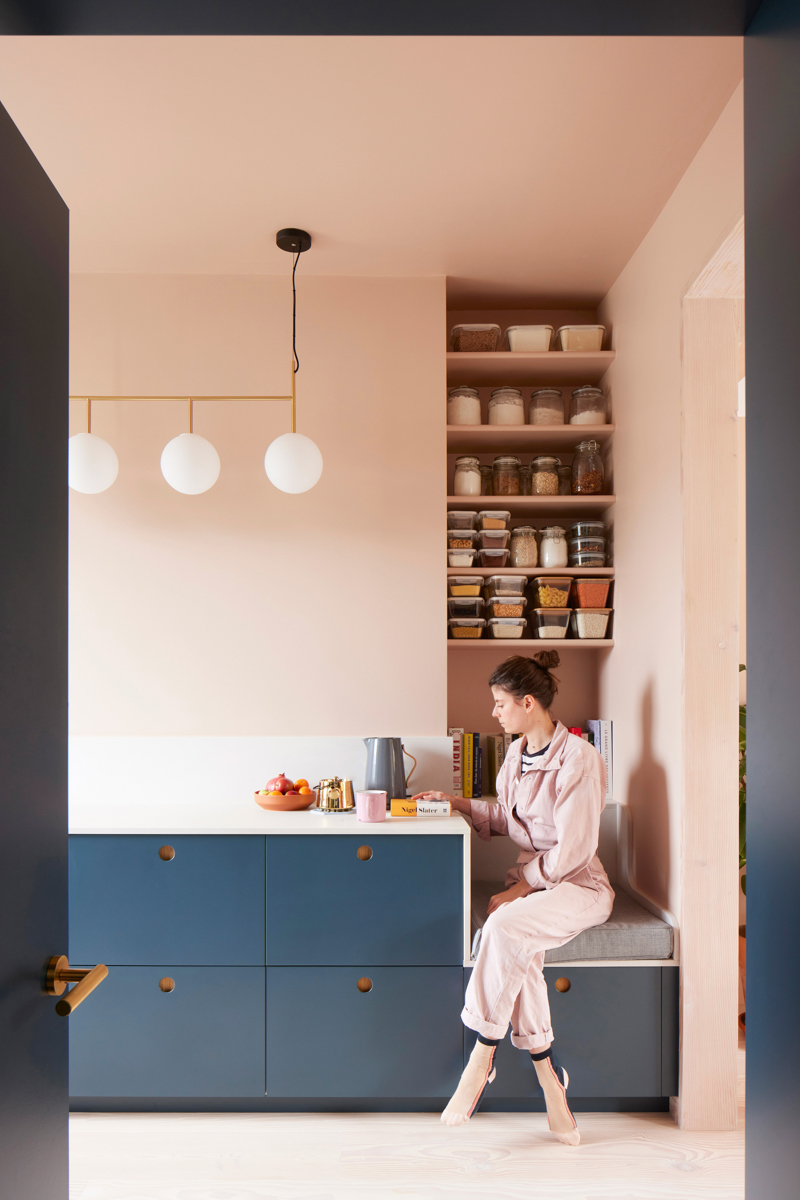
(553, 813)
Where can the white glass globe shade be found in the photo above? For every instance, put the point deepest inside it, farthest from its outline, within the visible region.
(293, 462)
(93, 465)
(190, 464)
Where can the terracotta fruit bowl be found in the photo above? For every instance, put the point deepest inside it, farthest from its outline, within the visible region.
(285, 803)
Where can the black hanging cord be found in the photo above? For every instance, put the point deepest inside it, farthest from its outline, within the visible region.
(294, 315)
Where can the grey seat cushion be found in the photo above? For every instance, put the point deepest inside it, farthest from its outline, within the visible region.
(630, 932)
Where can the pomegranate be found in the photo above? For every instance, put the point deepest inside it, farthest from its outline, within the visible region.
(280, 784)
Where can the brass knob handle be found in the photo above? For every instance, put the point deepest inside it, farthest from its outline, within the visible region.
(166, 854)
(364, 853)
(59, 974)
(166, 984)
(563, 984)
(364, 984)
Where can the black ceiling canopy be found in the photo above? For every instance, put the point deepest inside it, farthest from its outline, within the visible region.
(374, 17)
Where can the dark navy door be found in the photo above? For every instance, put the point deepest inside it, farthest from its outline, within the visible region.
(34, 316)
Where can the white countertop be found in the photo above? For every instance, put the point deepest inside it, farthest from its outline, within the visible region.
(239, 819)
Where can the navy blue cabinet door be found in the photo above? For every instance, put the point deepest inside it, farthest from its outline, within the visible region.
(401, 906)
(325, 1037)
(607, 1034)
(129, 905)
(205, 1037)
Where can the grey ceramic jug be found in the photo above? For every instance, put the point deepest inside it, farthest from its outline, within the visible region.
(385, 769)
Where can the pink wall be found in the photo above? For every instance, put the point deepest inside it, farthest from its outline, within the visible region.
(245, 611)
(642, 683)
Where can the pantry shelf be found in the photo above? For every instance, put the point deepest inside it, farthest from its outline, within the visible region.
(536, 506)
(582, 572)
(528, 369)
(508, 645)
(503, 439)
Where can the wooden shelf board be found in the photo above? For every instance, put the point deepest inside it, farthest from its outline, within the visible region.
(506, 366)
(535, 506)
(508, 644)
(472, 439)
(606, 572)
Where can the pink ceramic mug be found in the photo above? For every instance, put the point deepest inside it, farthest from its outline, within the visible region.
(371, 806)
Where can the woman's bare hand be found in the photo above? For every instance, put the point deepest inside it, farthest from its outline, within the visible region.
(457, 803)
(514, 893)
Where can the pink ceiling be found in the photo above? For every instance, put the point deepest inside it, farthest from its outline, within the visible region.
(521, 168)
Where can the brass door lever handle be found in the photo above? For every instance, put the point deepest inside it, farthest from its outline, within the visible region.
(60, 973)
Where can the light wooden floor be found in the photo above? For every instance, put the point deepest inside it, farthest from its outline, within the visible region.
(496, 1156)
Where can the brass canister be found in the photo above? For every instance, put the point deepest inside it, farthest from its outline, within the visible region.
(335, 795)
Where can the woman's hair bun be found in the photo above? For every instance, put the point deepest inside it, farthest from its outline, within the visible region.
(546, 659)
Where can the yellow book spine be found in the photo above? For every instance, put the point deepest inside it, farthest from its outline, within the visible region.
(404, 808)
(468, 757)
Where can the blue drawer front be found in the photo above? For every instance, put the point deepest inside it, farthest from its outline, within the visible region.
(204, 907)
(327, 1038)
(326, 907)
(607, 1033)
(205, 1038)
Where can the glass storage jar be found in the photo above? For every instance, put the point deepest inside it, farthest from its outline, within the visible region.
(588, 478)
(582, 529)
(588, 406)
(525, 481)
(524, 551)
(553, 547)
(505, 475)
(463, 406)
(565, 481)
(486, 481)
(546, 407)
(506, 407)
(544, 477)
(467, 478)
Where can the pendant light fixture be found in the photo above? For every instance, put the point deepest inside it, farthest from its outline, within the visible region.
(293, 462)
(189, 463)
(93, 465)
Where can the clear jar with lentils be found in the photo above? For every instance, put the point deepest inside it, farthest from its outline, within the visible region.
(505, 475)
(588, 477)
(524, 551)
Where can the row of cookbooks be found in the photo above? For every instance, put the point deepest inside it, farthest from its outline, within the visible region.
(478, 757)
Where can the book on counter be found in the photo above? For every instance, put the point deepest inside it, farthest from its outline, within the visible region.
(602, 739)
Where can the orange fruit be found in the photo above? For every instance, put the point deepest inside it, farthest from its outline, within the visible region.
(305, 791)
(275, 793)
(299, 784)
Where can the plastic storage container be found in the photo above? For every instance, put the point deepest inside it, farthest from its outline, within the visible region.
(565, 481)
(505, 585)
(505, 475)
(506, 407)
(544, 475)
(524, 551)
(461, 520)
(588, 475)
(553, 547)
(506, 627)
(472, 338)
(551, 622)
(588, 406)
(551, 591)
(530, 338)
(546, 407)
(505, 606)
(583, 529)
(466, 627)
(467, 477)
(580, 337)
(461, 539)
(590, 622)
(493, 519)
(591, 593)
(587, 559)
(461, 558)
(463, 406)
(493, 539)
(465, 606)
(493, 558)
(465, 585)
